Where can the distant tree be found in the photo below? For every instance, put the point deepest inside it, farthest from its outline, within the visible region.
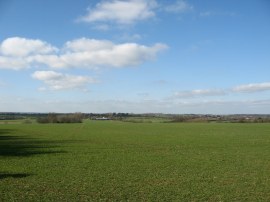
(52, 118)
(42, 120)
(179, 119)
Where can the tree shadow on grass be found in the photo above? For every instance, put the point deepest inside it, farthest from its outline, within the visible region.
(23, 146)
(4, 175)
(11, 145)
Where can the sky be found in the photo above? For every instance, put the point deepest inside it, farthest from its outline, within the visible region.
(135, 56)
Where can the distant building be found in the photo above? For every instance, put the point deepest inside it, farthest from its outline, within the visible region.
(102, 119)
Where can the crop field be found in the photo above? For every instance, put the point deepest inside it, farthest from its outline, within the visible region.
(123, 161)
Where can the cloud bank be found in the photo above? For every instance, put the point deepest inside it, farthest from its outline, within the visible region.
(153, 106)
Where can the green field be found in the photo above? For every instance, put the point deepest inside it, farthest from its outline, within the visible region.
(120, 161)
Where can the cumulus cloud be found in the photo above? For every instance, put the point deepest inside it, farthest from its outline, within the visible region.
(58, 81)
(84, 44)
(253, 87)
(13, 63)
(179, 6)
(20, 47)
(120, 11)
(16, 52)
(79, 53)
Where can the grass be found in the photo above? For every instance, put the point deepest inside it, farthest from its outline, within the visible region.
(113, 161)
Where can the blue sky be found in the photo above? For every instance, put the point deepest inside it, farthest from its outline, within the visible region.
(135, 56)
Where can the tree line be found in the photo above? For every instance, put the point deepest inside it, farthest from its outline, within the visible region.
(62, 118)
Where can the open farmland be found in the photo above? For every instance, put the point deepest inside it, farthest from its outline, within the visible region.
(113, 161)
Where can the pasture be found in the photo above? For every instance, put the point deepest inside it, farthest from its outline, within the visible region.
(114, 161)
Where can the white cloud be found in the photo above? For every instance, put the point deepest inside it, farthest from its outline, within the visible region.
(79, 53)
(199, 93)
(20, 47)
(13, 63)
(179, 6)
(52, 61)
(253, 87)
(120, 11)
(59, 81)
(93, 53)
(84, 44)
(16, 52)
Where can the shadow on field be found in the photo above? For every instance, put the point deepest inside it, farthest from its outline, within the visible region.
(11, 145)
(23, 146)
(13, 175)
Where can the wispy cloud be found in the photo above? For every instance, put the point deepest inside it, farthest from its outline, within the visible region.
(143, 94)
(102, 27)
(253, 87)
(199, 93)
(206, 13)
(130, 37)
(2, 84)
(212, 13)
(109, 14)
(179, 6)
(246, 88)
(120, 11)
(161, 82)
(58, 81)
(78, 53)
